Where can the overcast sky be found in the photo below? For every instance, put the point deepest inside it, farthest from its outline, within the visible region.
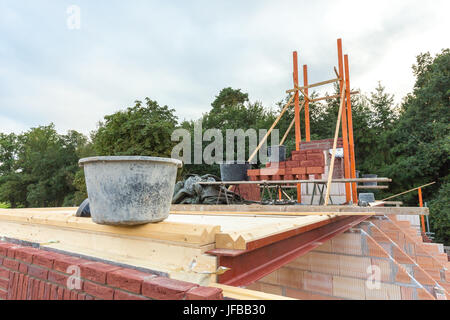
(182, 53)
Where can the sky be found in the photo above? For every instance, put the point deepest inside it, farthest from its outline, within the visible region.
(73, 62)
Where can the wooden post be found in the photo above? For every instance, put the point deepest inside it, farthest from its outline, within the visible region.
(297, 118)
(344, 123)
(421, 205)
(350, 131)
(305, 83)
(270, 130)
(333, 155)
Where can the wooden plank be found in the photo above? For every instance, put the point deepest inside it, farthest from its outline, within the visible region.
(293, 181)
(317, 84)
(184, 262)
(332, 97)
(271, 128)
(258, 209)
(333, 154)
(246, 294)
(274, 213)
(410, 190)
(372, 187)
(169, 231)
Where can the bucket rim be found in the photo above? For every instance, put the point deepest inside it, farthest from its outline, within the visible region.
(176, 162)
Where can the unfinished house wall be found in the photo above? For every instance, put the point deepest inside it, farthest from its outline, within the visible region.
(28, 273)
(341, 268)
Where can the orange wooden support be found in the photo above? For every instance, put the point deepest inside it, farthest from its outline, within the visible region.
(350, 131)
(305, 83)
(297, 118)
(421, 205)
(344, 123)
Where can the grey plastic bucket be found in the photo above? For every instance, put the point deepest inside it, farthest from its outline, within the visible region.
(129, 190)
(277, 153)
(234, 171)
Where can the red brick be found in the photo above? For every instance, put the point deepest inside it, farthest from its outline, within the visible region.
(204, 293)
(81, 296)
(88, 297)
(299, 157)
(4, 273)
(60, 293)
(73, 295)
(253, 178)
(11, 251)
(253, 172)
(66, 294)
(11, 264)
(96, 271)
(44, 258)
(58, 278)
(4, 246)
(47, 290)
(309, 151)
(316, 156)
(53, 292)
(308, 163)
(20, 287)
(63, 263)
(30, 288)
(271, 171)
(23, 268)
(41, 290)
(266, 178)
(26, 280)
(292, 164)
(3, 295)
(316, 282)
(127, 279)
(299, 170)
(122, 295)
(4, 284)
(37, 272)
(35, 292)
(98, 290)
(162, 288)
(311, 170)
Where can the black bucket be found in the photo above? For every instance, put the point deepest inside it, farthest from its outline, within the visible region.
(277, 153)
(370, 176)
(234, 171)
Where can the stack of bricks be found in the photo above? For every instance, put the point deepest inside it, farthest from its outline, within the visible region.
(302, 165)
(308, 163)
(28, 273)
(379, 259)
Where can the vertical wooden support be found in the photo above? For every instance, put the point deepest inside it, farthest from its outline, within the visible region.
(344, 123)
(421, 205)
(305, 83)
(297, 118)
(350, 131)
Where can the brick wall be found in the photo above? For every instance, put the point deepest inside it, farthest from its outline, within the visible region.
(338, 269)
(28, 273)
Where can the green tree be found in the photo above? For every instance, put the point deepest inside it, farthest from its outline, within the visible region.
(420, 140)
(144, 129)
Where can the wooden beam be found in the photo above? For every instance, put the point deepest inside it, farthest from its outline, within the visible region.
(167, 231)
(238, 293)
(333, 155)
(372, 187)
(351, 141)
(410, 190)
(332, 97)
(290, 126)
(268, 182)
(312, 85)
(348, 195)
(270, 130)
(259, 208)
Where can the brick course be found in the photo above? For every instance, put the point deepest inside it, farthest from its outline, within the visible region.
(32, 274)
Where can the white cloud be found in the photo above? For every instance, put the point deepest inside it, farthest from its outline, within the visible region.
(183, 54)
